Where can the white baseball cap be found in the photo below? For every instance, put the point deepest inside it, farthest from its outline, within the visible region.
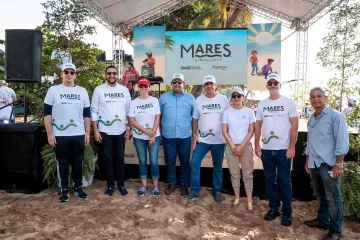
(209, 78)
(68, 65)
(149, 53)
(178, 75)
(273, 76)
(2, 81)
(352, 100)
(238, 90)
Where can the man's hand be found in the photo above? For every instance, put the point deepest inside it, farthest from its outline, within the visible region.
(290, 153)
(257, 150)
(238, 150)
(51, 140)
(127, 134)
(97, 136)
(87, 138)
(152, 140)
(150, 132)
(337, 172)
(195, 140)
(307, 169)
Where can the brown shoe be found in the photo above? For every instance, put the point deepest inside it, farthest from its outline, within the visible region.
(184, 190)
(170, 190)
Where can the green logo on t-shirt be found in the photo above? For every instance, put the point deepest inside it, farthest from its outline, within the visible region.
(272, 136)
(62, 128)
(108, 123)
(204, 135)
(138, 132)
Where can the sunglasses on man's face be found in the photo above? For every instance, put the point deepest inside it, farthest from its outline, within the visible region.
(273, 83)
(143, 86)
(69, 72)
(177, 82)
(111, 73)
(236, 96)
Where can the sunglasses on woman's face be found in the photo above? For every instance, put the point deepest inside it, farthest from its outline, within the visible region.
(236, 96)
(69, 72)
(143, 86)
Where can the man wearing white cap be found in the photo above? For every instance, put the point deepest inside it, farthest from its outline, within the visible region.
(207, 136)
(347, 111)
(67, 123)
(176, 108)
(277, 123)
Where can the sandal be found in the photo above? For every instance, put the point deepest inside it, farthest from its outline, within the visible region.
(250, 208)
(236, 203)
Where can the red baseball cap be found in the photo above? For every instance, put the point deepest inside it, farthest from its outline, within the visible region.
(143, 81)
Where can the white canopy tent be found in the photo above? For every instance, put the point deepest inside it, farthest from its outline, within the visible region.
(120, 16)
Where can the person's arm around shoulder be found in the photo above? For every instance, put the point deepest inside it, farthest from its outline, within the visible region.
(294, 122)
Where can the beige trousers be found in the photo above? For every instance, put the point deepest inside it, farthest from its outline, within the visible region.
(246, 161)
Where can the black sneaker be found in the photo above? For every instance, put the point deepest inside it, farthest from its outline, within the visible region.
(80, 193)
(64, 196)
(109, 191)
(123, 191)
(217, 197)
(286, 220)
(271, 215)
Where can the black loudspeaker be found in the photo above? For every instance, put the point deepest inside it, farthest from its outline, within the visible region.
(23, 55)
(21, 165)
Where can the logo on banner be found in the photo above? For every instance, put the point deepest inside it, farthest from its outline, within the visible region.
(219, 67)
(207, 52)
(190, 68)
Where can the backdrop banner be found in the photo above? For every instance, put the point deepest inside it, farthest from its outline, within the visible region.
(264, 54)
(197, 53)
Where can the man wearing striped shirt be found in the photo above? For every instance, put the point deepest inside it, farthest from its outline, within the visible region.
(327, 144)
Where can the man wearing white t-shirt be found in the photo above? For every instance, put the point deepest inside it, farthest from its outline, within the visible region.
(109, 109)
(277, 124)
(67, 123)
(207, 136)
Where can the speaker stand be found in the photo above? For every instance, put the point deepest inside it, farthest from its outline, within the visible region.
(25, 104)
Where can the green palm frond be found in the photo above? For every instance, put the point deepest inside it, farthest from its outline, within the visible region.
(203, 19)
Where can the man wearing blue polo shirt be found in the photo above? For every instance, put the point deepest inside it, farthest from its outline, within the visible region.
(176, 108)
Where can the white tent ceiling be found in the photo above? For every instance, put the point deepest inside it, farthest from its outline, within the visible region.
(122, 15)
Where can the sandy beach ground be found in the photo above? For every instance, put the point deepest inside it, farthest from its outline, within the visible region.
(41, 216)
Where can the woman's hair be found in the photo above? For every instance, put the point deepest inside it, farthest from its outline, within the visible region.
(131, 64)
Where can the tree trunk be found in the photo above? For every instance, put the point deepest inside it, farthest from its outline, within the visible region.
(234, 16)
(197, 90)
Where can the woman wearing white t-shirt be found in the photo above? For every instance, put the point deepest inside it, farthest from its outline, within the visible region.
(144, 117)
(238, 127)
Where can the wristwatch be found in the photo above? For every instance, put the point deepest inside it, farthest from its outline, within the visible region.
(339, 165)
(128, 128)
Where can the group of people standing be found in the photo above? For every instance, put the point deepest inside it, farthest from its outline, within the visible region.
(208, 123)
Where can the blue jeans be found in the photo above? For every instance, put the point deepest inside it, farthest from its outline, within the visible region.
(255, 68)
(327, 191)
(278, 168)
(141, 150)
(1, 121)
(172, 148)
(217, 153)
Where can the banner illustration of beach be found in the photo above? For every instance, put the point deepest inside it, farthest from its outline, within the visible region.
(197, 53)
(263, 53)
(149, 51)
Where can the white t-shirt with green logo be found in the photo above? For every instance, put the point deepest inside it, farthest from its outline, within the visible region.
(109, 107)
(238, 121)
(276, 126)
(209, 111)
(68, 105)
(144, 112)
